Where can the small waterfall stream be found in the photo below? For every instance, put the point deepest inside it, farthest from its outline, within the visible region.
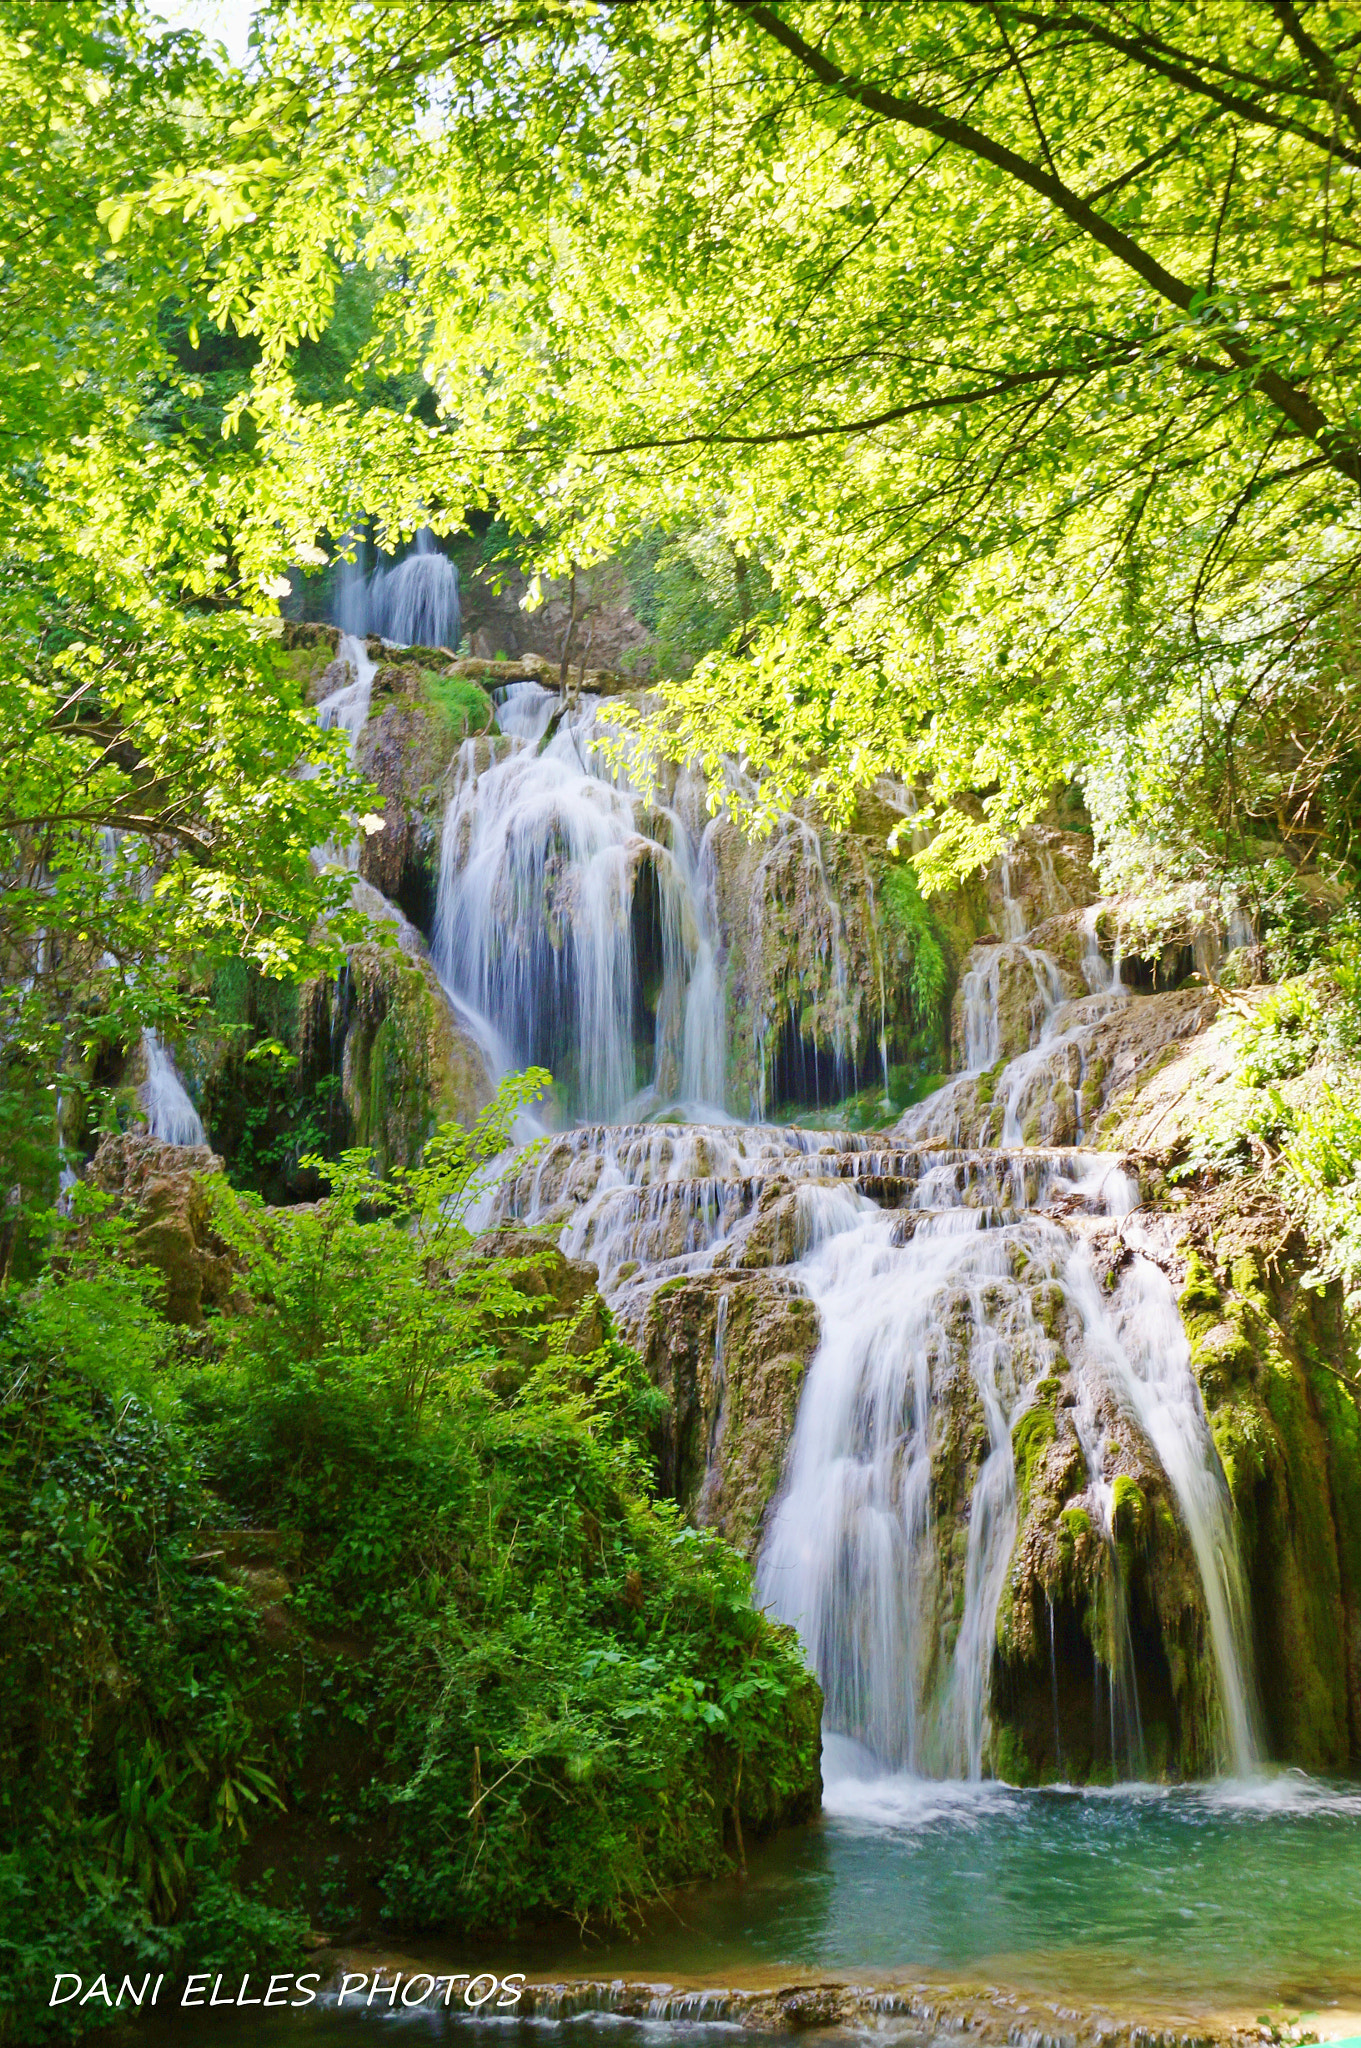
(170, 1115)
(411, 603)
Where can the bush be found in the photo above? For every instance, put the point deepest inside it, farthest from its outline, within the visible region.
(498, 1679)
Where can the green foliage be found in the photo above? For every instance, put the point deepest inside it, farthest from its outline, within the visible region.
(695, 593)
(1293, 1106)
(153, 813)
(463, 704)
(128, 1692)
(929, 974)
(1041, 423)
(499, 1679)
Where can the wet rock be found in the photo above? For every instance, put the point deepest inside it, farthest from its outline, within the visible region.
(731, 1356)
(406, 1065)
(306, 653)
(404, 749)
(1099, 1048)
(1044, 873)
(163, 1187)
(1277, 1373)
(556, 1289)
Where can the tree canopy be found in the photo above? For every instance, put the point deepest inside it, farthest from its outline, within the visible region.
(1016, 341)
(1007, 351)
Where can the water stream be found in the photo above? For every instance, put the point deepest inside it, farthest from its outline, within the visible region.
(553, 875)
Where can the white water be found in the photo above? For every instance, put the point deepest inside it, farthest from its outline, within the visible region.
(170, 1115)
(346, 709)
(414, 603)
(931, 1302)
(851, 1555)
(544, 850)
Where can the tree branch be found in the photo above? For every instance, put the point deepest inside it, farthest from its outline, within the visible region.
(1295, 405)
(1318, 60)
(1143, 54)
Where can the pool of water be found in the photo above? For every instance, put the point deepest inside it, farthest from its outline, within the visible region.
(1223, 1894)
(1236, 1897)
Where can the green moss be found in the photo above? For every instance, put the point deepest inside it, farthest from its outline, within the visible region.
(1129, 1523)
(1200, 1295)
(1030, 1439)
(986, 1084)
(1247, 1278)
(302, 665)
(1010, 1761)
(463, 704)
(1129, 1509)
(1289, 1452)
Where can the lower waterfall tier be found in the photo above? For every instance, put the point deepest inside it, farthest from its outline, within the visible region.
(946, 1401)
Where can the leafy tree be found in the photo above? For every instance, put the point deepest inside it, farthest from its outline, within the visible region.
(1019, 340)
(153, 819)
(496, 1677)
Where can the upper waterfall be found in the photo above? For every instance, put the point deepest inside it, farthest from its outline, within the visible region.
(577, 922)
(412, 603)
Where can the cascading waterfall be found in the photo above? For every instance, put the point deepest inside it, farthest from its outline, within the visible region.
(544, 859)
(937, 1272)
(346, 709)
(170, 1115)
(411, 603)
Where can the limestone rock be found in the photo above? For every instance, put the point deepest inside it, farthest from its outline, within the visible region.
(404, 749)
(306, 652)
(560, 1290)
(406, 1065)
(1058, 1092)
(1044, 873)
(163, 1186)
(731, 1355)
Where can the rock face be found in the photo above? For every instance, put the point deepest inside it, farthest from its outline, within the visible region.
(1265, 1352)
(1056, 1092)
(1068, 1023)
(405, 1064)
(163, 1188)
(554, 1288)
(404, 749)
(607, 633)
(730, 1354)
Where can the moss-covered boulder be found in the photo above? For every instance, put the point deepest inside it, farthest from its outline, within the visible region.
(1273, 1360)
(164, 1191)
(730, 1355)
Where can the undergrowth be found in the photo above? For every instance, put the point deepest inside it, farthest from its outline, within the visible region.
(356, 1606)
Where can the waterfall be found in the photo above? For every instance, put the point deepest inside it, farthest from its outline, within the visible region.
(170, 1115)
(550, 872)
(413, 603)
(953, 1286)
(346, 709)
(955, 1283)
(937, 1320)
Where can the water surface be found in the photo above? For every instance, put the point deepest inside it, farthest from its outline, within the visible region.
(1241, 1897)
